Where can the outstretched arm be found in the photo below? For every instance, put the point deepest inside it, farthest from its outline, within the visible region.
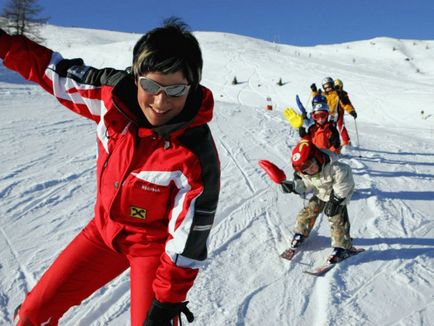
(74, 85)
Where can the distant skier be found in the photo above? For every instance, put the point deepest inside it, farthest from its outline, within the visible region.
(321, 130)
(331, 182)
(345, 106)
(337, 106)
(158, 175)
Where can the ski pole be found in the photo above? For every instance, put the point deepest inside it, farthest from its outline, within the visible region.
(308, 100)
(357, 135)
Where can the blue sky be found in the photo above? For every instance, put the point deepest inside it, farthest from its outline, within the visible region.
(299, 22)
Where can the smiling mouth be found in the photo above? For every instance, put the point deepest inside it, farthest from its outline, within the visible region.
(159, 112)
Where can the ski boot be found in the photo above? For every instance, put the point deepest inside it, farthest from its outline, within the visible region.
(339, 254)
(295, 243)
(297, 240)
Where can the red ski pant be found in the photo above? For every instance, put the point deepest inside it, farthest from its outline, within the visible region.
(86, 265)
(341, 127)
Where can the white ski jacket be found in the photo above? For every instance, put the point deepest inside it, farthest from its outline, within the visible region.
(334, 175)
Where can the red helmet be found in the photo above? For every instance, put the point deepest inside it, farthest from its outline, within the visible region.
(303, 152)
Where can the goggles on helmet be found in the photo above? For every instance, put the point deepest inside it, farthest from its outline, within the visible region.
(320, 115)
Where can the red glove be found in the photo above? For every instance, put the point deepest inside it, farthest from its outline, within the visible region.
(275, 174)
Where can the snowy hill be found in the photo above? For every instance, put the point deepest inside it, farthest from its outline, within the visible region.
(47, 184)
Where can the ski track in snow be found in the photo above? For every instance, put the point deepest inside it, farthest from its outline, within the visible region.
(47, 188)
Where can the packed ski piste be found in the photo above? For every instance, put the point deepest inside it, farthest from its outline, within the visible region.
(288, 180)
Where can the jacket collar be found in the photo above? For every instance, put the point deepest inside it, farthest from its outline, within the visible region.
(198, 109)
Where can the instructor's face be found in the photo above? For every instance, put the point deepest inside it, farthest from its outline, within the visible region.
(159, 108)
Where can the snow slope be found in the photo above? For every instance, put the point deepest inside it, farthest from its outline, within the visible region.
(47, 184)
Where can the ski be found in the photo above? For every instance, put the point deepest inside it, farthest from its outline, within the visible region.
(288, 254)
(320, 270)
(323, 269)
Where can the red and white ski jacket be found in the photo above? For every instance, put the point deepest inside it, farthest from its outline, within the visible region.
(157, 188)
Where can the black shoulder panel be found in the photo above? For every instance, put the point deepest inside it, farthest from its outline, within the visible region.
(199, 140)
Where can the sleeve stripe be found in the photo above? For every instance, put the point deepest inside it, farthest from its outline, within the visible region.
(69, 90)
(202, 227)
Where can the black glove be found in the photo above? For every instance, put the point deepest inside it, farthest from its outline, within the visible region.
(313, 88)
(353, 114)
(161, 314)
(63, 65)
(2, 32)
(287, 186)
(333, 206)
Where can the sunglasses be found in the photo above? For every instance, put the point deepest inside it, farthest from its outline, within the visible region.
(319, 115)
(149, 86)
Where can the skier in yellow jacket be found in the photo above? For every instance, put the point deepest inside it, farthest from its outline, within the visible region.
(338, 103)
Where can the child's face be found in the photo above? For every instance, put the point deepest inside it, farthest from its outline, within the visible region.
(328, 87)
(159, 108)
(311, 167)
(320, 117)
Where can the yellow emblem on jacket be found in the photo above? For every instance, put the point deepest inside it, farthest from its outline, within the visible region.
(138, 212)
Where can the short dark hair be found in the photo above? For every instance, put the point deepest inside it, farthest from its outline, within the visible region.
(167, 49)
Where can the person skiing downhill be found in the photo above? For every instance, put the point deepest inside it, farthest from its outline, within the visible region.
(158, 175)
(318, 171)
(322, 130)
(337, 105)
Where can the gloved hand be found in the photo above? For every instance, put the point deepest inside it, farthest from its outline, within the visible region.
(333, 206)
(287, 186)
(161, 314)
(313, 87)
(353, 114)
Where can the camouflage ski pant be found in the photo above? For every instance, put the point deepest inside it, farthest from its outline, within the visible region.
(339, 223)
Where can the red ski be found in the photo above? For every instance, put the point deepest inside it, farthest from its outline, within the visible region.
(288, 254)
(321, 270)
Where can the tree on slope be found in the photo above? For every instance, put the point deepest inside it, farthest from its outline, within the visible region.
(20, 17)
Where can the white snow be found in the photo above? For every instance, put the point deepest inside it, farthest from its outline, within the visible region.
(47, 184)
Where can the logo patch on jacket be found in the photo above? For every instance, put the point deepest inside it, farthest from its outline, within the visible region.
(138, 212)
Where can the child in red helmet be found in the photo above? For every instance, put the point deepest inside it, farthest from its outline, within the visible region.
(318, 171)
(322, 130)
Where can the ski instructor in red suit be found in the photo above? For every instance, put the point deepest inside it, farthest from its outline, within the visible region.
(158, 175)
